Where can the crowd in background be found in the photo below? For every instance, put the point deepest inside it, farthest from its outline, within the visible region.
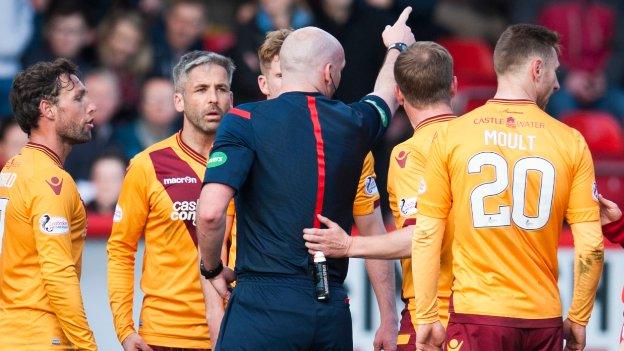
(126, 50)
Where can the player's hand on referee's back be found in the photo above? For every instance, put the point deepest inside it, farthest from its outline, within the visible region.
(222, 282)
(332, 242)
(399, 32)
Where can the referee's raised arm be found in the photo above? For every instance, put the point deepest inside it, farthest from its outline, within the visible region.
(396, 38)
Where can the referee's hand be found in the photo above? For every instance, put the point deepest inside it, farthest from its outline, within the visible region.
(222, 282)
(399, 32)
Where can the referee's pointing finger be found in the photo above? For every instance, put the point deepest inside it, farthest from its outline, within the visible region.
(404, 16)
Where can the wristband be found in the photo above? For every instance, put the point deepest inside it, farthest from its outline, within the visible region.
(399, 46)
(209, 274)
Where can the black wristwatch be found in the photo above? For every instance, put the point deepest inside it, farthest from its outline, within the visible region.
(399, 46)
(209, 274)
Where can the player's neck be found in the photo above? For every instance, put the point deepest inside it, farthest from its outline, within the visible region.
(197, 140)
(510, 88)
(417, 115)
(52, 141)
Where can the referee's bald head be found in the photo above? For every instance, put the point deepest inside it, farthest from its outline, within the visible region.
(308, 50)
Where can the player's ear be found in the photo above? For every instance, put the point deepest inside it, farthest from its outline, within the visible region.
(178, 102)
(537, 68)
(454, 86)
(263, 85)
(399, 95)
(46, 109)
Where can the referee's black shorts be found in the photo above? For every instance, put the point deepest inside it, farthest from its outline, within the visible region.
(281, 312)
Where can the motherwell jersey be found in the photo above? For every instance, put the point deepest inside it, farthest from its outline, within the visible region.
(158, 202)
(367, 196)
(407, 167)
(42, 232)
(512, 174)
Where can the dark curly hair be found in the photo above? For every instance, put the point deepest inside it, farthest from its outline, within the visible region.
(40, 81)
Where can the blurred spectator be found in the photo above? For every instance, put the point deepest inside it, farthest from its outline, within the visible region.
(65, 33)
(124, 49)
(485, 19)
(253, 24)
(151, 8)
(356, 24)
(107, 175)
(106, 178)
(587, 30)
(102, 86)
(184, 24)
(16, 28)
(156, 120)
(12, 139)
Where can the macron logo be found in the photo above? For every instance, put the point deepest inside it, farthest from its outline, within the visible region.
(182, 180)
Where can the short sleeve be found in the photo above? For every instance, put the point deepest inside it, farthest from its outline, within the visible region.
(405, 175)
(233, 152)
(583, 203)
(367, 196)
(435, 190)
(375, 114)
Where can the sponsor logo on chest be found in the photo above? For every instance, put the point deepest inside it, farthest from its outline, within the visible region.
(181, 180)
(183, 211)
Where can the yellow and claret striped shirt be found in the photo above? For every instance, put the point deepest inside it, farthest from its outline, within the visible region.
(158, 201)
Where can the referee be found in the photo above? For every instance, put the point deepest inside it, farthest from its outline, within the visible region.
(286, 160)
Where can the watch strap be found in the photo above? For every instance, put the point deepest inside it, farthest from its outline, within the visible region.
(210, 273)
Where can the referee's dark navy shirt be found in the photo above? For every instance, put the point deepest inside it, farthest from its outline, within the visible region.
(289, 158)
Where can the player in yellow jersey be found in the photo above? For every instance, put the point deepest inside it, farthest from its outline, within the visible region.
(511, 174)
(425, 85)
(42, 218)
(158, 201)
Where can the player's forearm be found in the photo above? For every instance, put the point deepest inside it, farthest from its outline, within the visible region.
(214, 309)
(63, 290)
(120, 271)
(588, 261)
(392, 246)
(426, 247)
(381, 275)
(385, 83)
